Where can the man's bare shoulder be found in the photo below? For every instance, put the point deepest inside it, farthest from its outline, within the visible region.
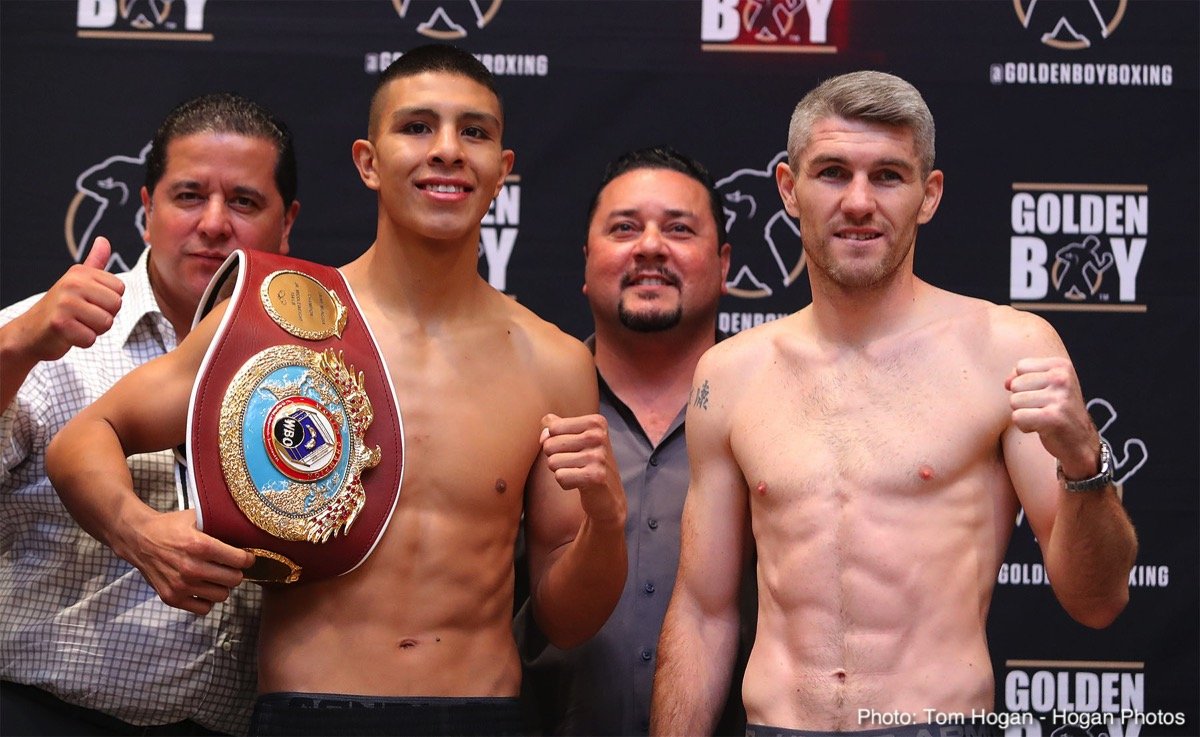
(793, 329)
(545, 342)
(745, 353)
(1019, 334)
(1000, 330)
(560, 364)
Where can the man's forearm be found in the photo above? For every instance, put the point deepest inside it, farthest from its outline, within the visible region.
(15, 365)
(579, 591)
(1092, 548)
(86, 464)
(692, 677)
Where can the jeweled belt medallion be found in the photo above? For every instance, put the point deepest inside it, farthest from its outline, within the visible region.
(291, 442)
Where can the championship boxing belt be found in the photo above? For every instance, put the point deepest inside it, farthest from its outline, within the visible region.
(294, 444)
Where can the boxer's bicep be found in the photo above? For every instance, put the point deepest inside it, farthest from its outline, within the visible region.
(716, 507)
(553, 515)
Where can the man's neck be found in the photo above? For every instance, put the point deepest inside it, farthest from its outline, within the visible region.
(652, 372)
(426, 279)
(178, 312)
(858, 316)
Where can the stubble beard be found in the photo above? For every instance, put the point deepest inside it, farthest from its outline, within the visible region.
(858, 276)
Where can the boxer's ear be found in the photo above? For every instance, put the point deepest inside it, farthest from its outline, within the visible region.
(933, 196)
(785, 181)
(363, 152)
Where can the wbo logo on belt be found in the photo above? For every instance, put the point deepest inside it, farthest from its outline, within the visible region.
(285, 451)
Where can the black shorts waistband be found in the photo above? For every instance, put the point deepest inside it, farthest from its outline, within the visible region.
(967, 729)
(288, 713)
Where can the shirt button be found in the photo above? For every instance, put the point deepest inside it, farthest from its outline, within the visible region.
(653, 460)
(649, 587)
(227, 646)
(646, 654)
(652, 523)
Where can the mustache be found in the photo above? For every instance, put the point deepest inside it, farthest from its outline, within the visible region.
(662, 272)
(869, 224)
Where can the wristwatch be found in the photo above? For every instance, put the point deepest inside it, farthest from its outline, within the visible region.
(1101, 480)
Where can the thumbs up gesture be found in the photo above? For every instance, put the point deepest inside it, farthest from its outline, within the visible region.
(79, 308)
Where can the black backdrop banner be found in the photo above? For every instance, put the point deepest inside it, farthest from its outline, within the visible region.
(1067, 129)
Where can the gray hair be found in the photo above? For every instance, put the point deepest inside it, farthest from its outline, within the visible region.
(870, 96)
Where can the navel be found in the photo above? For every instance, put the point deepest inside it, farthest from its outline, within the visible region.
(407, 643)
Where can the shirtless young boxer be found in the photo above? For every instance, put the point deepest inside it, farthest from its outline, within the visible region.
(498, 411)
(877, 446)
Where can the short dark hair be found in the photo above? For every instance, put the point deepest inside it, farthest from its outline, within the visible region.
(663, 157)
(432, 58)
(225, 112)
